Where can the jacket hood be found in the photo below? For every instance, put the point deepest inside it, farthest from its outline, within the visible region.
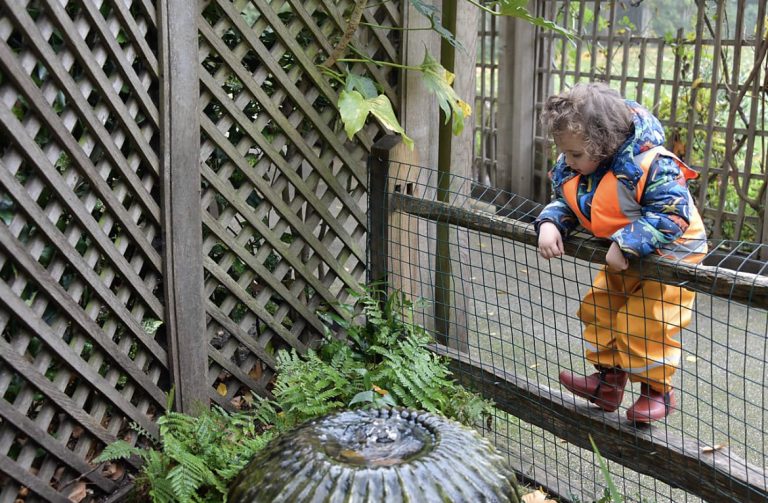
(648, 134)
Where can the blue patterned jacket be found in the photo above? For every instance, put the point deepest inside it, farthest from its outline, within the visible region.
(666, 203)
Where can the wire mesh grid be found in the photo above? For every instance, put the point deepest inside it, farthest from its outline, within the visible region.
(516, 314)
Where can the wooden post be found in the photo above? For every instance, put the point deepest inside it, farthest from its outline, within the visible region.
(462, 155)
(517, 107)
(396, 248)
(418, 113)
(378, 212)
(182, 217)
(443, 266)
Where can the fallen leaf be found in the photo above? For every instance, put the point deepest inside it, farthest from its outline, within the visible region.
(537, 497)
(536, 365)
(114, 471)
(78, 492)
(221, 389)
(256, 372)
(716, 447)
(351, 455)
(380, 391)
(690, 358)
(524, 271)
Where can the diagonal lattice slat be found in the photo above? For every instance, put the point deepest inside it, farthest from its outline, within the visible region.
(283, 190)
(81, 239)
(79, 270)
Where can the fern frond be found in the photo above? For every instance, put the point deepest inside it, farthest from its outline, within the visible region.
(141, 431)
(180, 424)
(185, 479)
(120, 449)
(161, 491)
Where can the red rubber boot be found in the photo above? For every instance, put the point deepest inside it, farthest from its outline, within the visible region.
(651, 406)
(604, 388)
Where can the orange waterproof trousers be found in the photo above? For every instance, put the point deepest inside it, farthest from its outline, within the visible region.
(632, 323)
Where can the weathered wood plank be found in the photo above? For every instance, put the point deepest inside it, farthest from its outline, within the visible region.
(68, 355)
(75, 152)
(25, 477)
(378, 209)
(517, 107)
(180, 144)
(49, 443)
(69, 200)
(750, 289)
(60, 297)
(94, 280)
(22, 19)
(658, 452)
(259, 310)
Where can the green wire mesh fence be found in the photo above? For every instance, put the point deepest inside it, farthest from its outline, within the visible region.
(508, 322)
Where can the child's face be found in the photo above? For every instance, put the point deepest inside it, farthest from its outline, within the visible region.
(576, 157)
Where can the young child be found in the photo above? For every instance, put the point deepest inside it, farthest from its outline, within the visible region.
(615, 178)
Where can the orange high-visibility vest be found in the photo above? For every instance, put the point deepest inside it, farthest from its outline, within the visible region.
(614, 206)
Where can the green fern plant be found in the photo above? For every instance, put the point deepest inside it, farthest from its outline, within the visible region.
(385, 357)
(197, 456)
(382, 358)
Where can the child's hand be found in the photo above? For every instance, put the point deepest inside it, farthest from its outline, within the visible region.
(615, 258)
(550, 241)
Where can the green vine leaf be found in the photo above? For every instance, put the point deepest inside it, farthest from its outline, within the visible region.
(433, 14)
(150, 325)
(439, 80)
(518, 9)
(362, 84)
(354, 109)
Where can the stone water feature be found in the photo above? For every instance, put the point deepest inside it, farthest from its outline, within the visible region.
(377, 455)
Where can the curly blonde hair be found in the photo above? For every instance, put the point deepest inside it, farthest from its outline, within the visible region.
(595, 112)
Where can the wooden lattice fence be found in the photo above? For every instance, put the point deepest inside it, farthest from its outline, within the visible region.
(109, 225)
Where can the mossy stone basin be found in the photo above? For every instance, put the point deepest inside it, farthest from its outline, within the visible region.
(377, 455)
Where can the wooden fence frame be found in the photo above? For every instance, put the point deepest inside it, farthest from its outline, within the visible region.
(183, 258)
(160, 230)
(657, 452)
